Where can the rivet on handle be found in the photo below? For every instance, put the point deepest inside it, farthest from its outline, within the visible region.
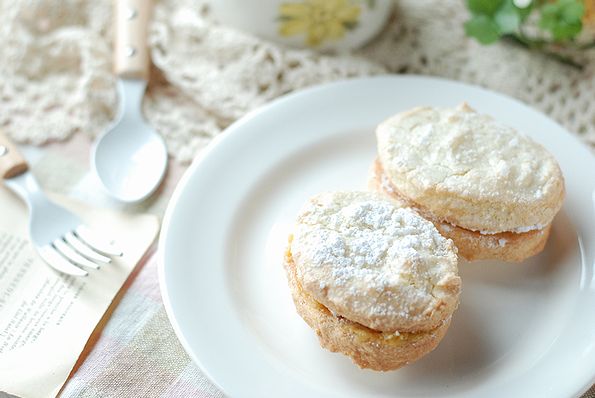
(131, 13)
(3, 150)
(130, 51)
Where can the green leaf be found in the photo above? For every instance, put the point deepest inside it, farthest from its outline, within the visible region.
(508, 17)
(573, 12)
(482, 28)
(563, 19)
(549, 17)
(485, 7)
(566, 31)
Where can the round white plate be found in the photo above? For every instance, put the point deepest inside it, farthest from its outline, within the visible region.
(521, 329)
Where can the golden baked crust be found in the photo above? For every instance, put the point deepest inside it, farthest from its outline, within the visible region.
(469, 170)
(471, 245)
(367, 348)
(375, 263)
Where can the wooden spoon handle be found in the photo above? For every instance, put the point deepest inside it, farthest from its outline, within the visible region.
(131, 53)
(12, 163)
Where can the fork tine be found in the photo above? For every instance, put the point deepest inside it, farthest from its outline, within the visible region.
(96, 242)
(72, 254)
(83, 249)
(55, 260)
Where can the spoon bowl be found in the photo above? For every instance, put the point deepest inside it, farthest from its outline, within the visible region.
(130, 158)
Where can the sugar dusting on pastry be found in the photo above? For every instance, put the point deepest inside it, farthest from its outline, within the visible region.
(461, 165)
(374, 263)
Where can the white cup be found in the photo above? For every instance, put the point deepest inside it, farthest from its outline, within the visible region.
(317, 24)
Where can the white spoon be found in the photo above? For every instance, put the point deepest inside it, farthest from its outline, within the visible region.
(130, 158)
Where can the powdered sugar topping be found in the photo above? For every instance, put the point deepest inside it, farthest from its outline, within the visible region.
(372, 262)
(431, 153)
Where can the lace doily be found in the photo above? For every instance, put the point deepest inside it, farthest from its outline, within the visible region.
(56, 80)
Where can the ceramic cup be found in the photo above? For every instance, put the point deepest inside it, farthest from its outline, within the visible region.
(317, 24)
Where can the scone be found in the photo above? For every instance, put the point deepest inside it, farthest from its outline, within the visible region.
(490, 189)
(376, 282)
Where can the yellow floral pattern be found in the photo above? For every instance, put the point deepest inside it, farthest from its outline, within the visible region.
(318, 20)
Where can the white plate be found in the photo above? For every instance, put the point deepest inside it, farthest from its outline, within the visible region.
(521, 329)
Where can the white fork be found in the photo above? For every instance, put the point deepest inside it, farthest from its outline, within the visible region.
(59, 236)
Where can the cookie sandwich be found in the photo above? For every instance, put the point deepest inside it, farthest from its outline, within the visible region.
(376, 282)
(489, 188)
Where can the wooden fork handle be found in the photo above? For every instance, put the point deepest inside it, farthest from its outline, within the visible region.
(12, 163)
(131, 53)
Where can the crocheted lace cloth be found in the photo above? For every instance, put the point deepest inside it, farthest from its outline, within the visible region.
(56, 80)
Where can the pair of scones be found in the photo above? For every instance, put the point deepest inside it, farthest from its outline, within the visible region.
(375, 273)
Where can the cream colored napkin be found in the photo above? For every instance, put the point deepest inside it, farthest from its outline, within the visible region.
(47, 317)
